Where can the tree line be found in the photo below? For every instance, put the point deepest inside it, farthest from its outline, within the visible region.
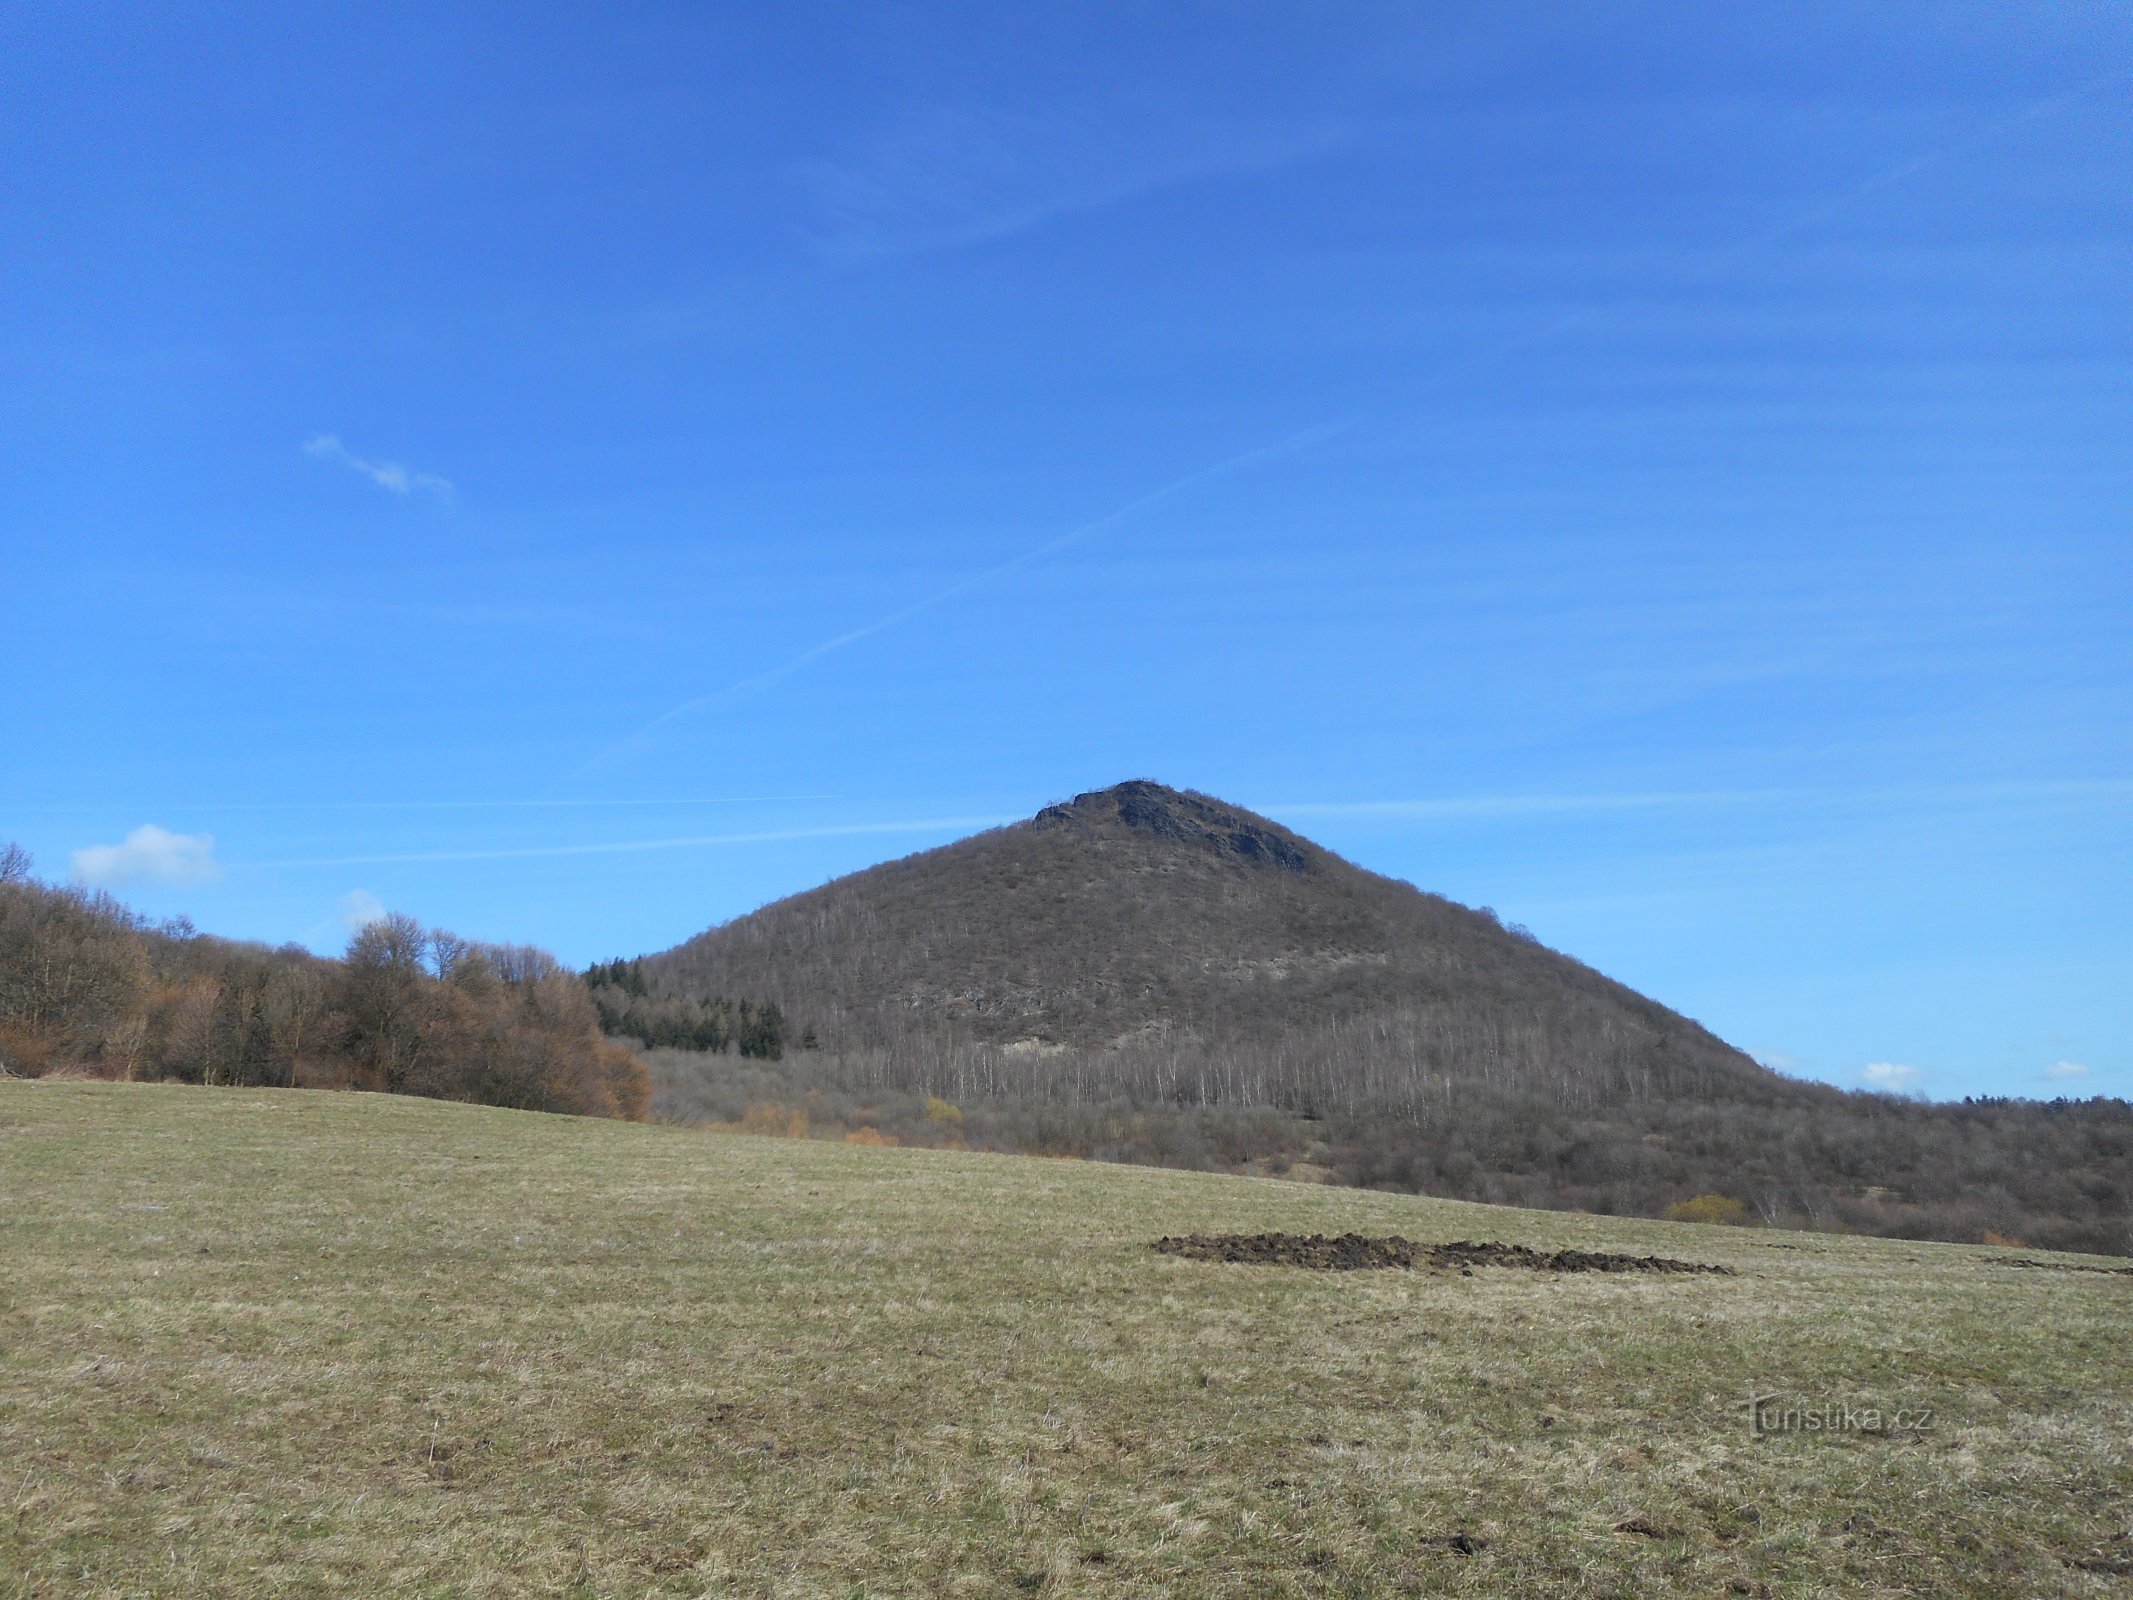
(87, 986)
(2050, 1174)
(629, 1010)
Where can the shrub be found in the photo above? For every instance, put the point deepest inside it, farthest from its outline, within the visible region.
(1719, 1208)
(24, 1053)
(775, 1121)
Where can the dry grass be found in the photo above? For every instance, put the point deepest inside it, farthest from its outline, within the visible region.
(284, 1343)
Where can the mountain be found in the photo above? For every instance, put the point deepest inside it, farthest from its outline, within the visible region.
(1185, 948)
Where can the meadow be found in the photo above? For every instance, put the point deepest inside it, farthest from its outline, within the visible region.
(277, 1342)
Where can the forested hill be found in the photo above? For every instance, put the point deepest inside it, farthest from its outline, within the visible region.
(1168, 943)
(1143, 974)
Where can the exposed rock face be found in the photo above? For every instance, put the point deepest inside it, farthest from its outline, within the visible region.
(1189, 819)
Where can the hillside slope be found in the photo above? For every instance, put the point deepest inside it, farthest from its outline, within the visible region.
(1200, 952)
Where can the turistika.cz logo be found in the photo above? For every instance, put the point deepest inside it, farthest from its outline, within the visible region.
(1773, 1413)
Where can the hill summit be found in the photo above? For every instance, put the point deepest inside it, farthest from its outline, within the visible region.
(1189, 819)
(1163, 942)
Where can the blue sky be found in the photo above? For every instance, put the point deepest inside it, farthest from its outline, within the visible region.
(575, 475)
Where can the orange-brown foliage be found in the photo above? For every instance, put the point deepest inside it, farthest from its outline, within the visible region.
(775, 1121)
(25, 1053)
(88, 986)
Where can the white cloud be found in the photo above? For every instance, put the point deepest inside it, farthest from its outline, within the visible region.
(149, 854)
(2059, 1071)
(388, 475)
(1890, 1077)
(360, 908)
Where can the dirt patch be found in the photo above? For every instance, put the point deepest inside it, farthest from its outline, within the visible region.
(1461, 1543)
(1355, 1252)
(1350, 1252)
(2061, 1266)
(1464, 1254)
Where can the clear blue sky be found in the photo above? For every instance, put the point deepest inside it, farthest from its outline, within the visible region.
(1663, 472)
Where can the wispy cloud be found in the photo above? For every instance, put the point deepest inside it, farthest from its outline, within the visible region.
(1487, 807)
(778, 674)
(2061, 1071)
(1455, 808)
(359, 909)
(950, 825)
(1890, 1077)
(958, 175)
(149, 854)
(1779, 229)
(388, 475)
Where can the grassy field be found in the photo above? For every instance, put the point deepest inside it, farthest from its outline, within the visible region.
(281, 1343)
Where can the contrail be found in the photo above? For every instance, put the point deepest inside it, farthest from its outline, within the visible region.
(778, 674)
(1444, 808)
(1982, 138)
(1991, 133)
(421, 805)
(636, 846)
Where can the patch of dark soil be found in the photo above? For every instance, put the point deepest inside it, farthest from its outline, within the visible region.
(1461, 1543)
(1349, 1252)
(1353, 1252)
(1462, 1253)
(2061, 1266)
